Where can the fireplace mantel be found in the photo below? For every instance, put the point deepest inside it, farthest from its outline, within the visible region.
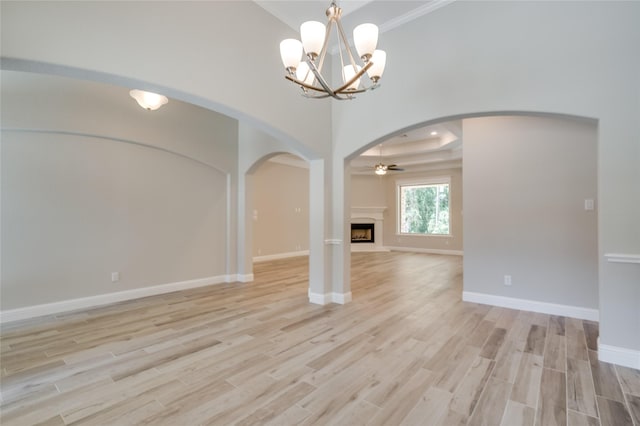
(369, 215)
(375, 213)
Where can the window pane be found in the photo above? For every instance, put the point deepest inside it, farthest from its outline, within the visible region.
(424, 209)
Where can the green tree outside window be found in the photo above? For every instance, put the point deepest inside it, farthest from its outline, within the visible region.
(424, 209)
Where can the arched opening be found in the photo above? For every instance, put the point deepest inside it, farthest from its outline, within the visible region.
(277, 210)
(528, 184)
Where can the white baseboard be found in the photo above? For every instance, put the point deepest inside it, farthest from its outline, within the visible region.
(425, 250)
(620, 356)
(35, 311)
(360, 248)
(532, 305)
(341, 298)
(326, 298)
(242, 278)
(319, 298)
(281, 256)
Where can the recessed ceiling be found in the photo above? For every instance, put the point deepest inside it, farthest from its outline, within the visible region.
(416, 150)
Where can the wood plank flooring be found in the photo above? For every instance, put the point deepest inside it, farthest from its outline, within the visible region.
(406, 351)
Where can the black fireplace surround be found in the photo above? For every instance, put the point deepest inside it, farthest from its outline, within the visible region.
(362, 233)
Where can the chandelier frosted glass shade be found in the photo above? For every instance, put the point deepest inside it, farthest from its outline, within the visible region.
(365, 38)
(312, 34)
(148, 100)
(303, 60)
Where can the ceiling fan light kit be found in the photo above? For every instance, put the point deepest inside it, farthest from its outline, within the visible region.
(307, 72)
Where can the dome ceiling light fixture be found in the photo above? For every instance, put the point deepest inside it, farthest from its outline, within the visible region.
(148, 100)
(307, 72)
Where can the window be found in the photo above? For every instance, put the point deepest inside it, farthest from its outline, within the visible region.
(423, 207)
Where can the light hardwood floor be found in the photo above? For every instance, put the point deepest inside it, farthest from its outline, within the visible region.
(406, 351)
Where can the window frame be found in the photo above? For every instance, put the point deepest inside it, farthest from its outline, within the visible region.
(436, 180)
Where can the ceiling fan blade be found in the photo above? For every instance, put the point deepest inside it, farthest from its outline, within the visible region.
(397, 169)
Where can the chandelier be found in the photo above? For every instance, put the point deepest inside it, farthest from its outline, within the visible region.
(307, 72)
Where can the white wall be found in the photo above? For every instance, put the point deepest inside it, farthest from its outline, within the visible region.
(525, 183)
(92, 186)
(280, 209)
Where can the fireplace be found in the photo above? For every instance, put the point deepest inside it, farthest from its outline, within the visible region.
(362, 233)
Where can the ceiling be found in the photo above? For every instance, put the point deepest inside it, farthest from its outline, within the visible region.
(384, 13)
(434, 147)
(414, 150)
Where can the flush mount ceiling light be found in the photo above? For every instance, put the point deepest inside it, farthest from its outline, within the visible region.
(147, 100)
(307, 73)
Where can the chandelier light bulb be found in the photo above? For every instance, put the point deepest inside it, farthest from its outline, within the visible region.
(148, 100)
(365, 38)
(312, 35)
(349, 73)
(290, 52)
(379, 60)
(304, 74)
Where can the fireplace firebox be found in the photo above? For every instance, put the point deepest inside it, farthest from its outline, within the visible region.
(362, 233)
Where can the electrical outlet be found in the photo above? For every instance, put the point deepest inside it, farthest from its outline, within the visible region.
(507, 280)
(115, 277)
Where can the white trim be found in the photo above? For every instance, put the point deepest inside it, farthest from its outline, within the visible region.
(333, 241)
(341, 298)
(532, 305)
(35, 311)
(413, 14)
(622, 258)
(369, 247)
(281, 256)
(290, 160)
(246, 278)
(620, 356)
(375, 213)
(319, 299)
(426, 250)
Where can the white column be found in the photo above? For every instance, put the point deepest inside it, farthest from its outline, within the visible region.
(319, 286)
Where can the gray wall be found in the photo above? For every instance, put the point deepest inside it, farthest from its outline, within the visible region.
(92, 186)
(280, 209)
(525, 182)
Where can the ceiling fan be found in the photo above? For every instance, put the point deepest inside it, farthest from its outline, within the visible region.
(381, 169)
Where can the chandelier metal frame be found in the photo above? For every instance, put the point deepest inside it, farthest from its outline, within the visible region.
(315, 62)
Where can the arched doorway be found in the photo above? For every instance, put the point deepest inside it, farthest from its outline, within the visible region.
(527, 202)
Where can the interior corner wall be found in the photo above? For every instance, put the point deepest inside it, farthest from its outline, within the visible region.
(526, 180)
(280, 210)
